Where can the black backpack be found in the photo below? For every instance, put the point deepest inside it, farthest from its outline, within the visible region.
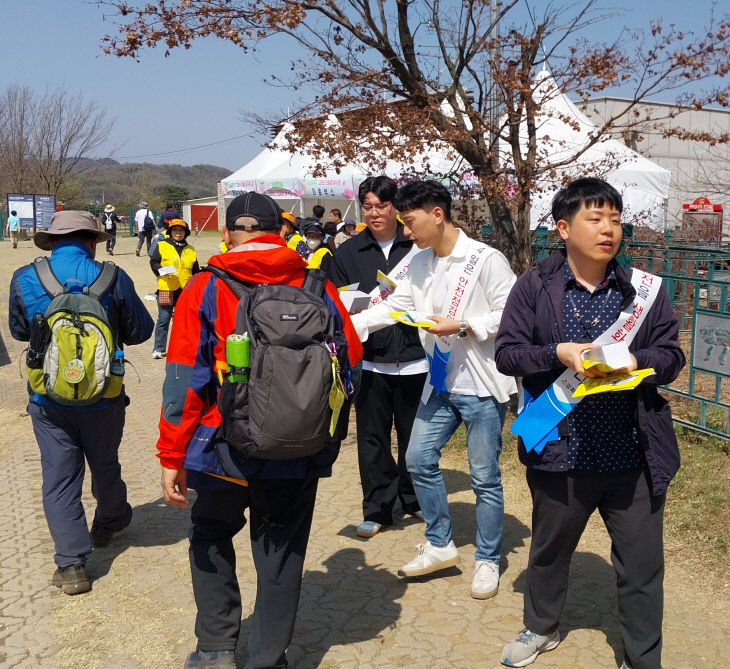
(290, 407)
(149, 222)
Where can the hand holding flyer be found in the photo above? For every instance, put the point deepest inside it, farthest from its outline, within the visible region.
(610, 358)
(413, 318)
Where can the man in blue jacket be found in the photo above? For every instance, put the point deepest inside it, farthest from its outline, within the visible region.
(615, 452)
(68, 434)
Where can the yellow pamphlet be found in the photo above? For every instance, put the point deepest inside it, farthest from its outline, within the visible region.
(613, 383)
(412, 318)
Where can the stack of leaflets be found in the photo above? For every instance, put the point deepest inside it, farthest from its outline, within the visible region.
(610, 358)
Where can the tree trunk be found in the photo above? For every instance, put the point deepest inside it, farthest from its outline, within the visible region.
(512, 233)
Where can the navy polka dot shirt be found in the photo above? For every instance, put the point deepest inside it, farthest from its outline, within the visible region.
(602, 429)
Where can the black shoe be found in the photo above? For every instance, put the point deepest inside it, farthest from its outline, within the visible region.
(136, 252)
(72, 580)
(220, 659)
(101, 535)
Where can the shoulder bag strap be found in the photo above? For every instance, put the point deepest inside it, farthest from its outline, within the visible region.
(48, 279)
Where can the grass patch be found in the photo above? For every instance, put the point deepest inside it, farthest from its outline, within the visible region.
(697, 501)
(698, 497)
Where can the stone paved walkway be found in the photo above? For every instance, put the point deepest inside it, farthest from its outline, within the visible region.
(354, 612)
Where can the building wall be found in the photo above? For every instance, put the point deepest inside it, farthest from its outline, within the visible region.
(698, 170)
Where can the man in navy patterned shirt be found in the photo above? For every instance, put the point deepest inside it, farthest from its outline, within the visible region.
(615, 452)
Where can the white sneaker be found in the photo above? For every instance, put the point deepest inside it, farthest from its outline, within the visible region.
(485, 583)
(430, 558)
(525, 648)
(157, 355)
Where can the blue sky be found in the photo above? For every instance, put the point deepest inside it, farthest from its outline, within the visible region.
(193, 97)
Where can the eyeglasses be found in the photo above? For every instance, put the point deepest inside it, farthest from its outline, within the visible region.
(380, 207)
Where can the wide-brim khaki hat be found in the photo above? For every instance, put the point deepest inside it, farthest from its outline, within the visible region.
(109, 209)
(65, 222)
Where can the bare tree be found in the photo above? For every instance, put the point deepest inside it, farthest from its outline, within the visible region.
(45, 140)
(407, 76)
(17, 119)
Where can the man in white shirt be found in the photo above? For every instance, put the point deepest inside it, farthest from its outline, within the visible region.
(462, 286)
(144, 230)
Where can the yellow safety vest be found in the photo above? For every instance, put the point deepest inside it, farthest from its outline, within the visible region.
(316, 260)
(183, 264)
(295, 243)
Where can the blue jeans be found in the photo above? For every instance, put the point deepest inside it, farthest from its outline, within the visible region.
(435, 422)
(164, 316)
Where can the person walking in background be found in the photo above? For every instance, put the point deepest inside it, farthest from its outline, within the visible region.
(69, 434)
(318, 253)
(173, 262)
(331, 227)
(346, 231)
(109, 221)
(394, 364)
(615, 452)
(12, 227)
(167, 215)
(145, 226)
(279, 494)
(318, 212)
(461, 285)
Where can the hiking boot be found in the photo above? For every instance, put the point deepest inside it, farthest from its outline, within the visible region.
(72, 580)
(111, 253)
(485, 583)
(101, 535)
(157, 355)
(368, 528)
(221, 659)
(430, 558)
(527, 646)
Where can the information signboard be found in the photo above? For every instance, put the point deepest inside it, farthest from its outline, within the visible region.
(23, 204)
(34, 211)
(45, 205)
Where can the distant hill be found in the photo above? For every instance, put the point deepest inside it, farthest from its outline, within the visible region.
(110, 181)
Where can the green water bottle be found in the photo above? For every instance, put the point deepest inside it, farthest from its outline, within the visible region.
(238, 357)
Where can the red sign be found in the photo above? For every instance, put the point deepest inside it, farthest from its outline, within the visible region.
(702, 204)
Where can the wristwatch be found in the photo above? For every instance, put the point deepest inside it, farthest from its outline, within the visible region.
(462, 329)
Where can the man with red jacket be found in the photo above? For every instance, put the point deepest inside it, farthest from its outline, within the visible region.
(279, 494)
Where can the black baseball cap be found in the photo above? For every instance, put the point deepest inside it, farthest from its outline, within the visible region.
(257, 206)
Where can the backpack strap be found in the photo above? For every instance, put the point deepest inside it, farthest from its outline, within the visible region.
(238, 287)
(314, 280)
(104, 281)
(48, 279)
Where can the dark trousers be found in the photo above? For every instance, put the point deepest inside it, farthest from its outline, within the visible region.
(382, 400)
(279, 524)
(145, 235)
(111, 243)
(562, 504)
(65, 437)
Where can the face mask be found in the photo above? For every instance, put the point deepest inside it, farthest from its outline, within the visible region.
(313, 244)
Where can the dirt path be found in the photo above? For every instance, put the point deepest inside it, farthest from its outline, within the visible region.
(354, 611)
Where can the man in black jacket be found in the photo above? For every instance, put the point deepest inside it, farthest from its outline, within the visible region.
(394, 366)
(615, 452)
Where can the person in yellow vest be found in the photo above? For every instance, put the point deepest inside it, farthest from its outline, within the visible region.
(318, 254)
(173, 261)
(291, 236)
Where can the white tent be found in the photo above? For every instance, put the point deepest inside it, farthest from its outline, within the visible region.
(287, 177)
(563, 130)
